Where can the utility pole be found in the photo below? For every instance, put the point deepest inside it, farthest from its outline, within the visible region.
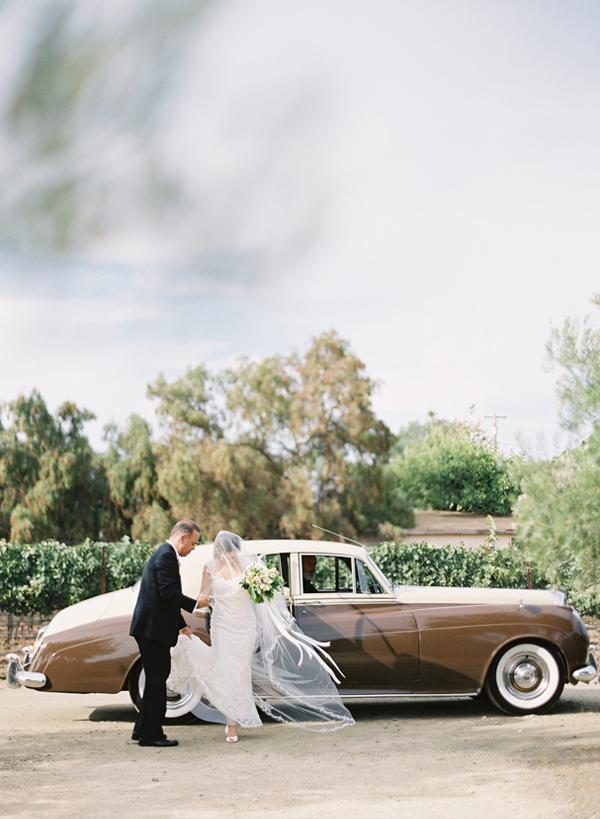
(495, 419)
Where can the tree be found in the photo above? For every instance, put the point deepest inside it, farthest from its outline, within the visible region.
(413, 433)
(452, 466)
(575, 350)
(558, 512)
(131, 470)
(558, 515)
(270, 447)
(52, 483)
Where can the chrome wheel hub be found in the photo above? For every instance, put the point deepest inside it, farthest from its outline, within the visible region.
(525, 676)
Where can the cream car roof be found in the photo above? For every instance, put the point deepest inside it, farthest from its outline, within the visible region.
(191, 566)
(314, 547)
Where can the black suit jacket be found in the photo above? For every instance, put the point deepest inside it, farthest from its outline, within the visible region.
(157, 613)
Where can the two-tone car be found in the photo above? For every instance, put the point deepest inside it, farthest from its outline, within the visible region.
(519, 647)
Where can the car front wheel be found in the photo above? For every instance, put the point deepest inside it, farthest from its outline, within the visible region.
(178, 704)
(187, 706)
(525, 679)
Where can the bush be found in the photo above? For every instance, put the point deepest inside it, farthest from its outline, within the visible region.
(558, 514)
(452, 466)
(422, 564)
(48, 576)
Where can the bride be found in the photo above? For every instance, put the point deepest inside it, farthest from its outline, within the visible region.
(258, 655)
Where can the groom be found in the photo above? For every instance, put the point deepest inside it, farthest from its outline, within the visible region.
(156, 624)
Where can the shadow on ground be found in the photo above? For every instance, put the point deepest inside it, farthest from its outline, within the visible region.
(385, 710)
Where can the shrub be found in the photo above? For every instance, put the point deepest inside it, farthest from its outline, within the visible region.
(422, 564)
(453, 467)
(48, 576)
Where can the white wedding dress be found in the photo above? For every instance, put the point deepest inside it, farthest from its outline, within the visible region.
(258, 655)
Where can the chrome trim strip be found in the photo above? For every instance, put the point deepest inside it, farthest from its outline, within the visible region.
(404, 695)
(336, 600)
(394, 695)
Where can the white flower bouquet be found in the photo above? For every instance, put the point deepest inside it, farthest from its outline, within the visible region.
(261, 582)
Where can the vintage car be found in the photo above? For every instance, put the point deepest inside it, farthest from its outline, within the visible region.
(518, 647)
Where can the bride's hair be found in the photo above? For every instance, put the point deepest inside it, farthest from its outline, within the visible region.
(227, 552)
(226, 542)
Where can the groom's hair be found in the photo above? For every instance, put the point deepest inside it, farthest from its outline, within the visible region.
(184, 527)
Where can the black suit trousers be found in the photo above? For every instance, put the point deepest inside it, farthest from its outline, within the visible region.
(156, 660)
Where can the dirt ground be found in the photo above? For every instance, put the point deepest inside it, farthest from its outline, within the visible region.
(65, 755)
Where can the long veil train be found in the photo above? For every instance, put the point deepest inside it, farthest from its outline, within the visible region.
(292, 676)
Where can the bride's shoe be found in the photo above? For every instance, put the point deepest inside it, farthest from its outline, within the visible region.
(228, 738)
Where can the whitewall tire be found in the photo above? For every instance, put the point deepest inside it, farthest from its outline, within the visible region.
(179, 704)
(187, 706)
(525, 678)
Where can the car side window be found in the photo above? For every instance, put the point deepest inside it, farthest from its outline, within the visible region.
(281, 563)
(365, 582)
(326, 574)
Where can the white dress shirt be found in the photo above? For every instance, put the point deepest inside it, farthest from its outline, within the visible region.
(175, 550)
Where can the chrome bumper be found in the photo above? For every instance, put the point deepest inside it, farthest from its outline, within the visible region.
(16, 676)
(587, 672)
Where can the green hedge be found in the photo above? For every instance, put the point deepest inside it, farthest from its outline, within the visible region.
(422, 564)
(48, 576)
(44, 577)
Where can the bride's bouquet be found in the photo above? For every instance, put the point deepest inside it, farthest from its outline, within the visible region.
(261, 582)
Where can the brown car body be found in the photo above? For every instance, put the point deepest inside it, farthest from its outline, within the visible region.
(387, 642)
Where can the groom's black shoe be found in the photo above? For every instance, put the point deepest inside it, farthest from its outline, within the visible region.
(159, 743)
(135, 736)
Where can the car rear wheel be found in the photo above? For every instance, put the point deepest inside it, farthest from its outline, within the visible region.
(525, 678)
(187, 706)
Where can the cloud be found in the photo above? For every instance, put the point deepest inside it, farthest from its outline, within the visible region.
(422, 177)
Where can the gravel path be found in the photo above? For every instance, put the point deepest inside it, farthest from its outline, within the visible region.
(64, 755)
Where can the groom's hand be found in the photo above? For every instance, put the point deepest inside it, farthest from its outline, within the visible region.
(202, 601)
(187, 631)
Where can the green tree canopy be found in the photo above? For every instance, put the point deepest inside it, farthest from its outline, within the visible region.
(558, 513)
(451, 465)
(52, 483)
(131, 469)
(270, 447)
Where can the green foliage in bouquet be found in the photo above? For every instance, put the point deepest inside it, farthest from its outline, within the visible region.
(261, 582)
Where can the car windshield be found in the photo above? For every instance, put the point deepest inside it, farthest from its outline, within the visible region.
(366, 583)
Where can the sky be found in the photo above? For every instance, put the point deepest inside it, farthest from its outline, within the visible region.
(421, 177)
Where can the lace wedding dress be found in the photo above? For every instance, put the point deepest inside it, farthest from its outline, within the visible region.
(258, 655)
